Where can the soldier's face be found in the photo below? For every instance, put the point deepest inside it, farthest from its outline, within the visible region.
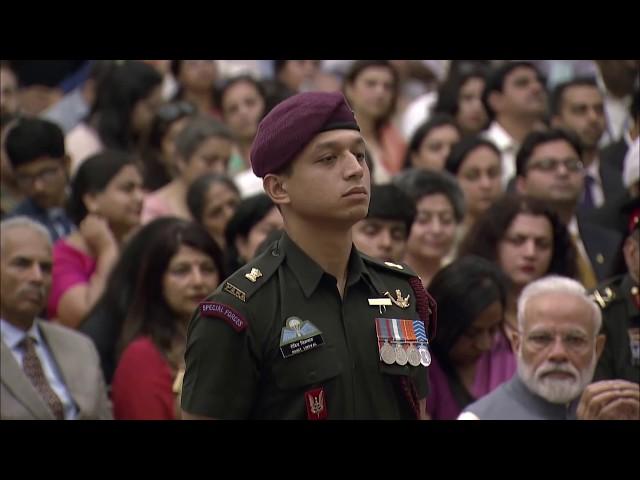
(558, 347)
(330, 181)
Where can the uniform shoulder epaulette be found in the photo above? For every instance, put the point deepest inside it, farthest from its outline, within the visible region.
(401, 268)
(604, 295)
(246, 281)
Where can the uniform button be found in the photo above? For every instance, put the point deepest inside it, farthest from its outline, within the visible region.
(275, 253)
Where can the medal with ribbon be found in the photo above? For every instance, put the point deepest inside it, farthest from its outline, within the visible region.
(383, 332)
(412, 352)
(399, 340)
(423, 342)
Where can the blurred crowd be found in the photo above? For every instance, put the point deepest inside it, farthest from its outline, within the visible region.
(127, 197)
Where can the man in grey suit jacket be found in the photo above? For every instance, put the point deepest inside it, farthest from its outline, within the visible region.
(47, 371)
(557, 348)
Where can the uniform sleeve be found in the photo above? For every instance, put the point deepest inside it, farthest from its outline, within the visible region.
(221, 374)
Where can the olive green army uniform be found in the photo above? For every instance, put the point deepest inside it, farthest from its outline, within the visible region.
(235, 367)
(620, 359)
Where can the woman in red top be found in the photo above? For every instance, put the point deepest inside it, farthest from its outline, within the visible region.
(179, 268)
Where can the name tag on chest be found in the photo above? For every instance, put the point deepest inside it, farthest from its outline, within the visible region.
(299, 336)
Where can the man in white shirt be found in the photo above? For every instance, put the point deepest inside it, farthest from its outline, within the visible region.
(516, 102)
(617, 79)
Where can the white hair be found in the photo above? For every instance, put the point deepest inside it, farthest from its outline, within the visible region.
(22, 221)
(556, 284)
(559, 391)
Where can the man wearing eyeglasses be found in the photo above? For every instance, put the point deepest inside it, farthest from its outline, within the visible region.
(549, 167)
(36, 151)
(557, 348)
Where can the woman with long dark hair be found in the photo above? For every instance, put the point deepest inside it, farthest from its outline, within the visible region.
(527, 241)
(471, 298)
(127, 97)
(181, 266)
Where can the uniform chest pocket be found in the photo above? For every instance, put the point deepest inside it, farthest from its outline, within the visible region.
(308, 368)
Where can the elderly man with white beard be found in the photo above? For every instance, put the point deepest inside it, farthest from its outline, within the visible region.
(557, 348)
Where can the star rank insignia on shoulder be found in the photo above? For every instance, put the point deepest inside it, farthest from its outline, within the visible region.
(253, 275)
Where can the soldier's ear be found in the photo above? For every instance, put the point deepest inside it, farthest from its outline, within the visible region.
(275, 187)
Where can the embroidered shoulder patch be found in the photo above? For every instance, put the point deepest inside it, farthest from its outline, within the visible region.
(224, 312)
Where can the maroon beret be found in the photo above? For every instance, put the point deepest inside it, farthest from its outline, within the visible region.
(293, 123)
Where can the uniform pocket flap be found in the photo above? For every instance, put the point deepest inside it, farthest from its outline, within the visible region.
(307, 369)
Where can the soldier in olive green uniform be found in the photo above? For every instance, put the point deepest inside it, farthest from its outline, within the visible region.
(311, 329)
(619, 299)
